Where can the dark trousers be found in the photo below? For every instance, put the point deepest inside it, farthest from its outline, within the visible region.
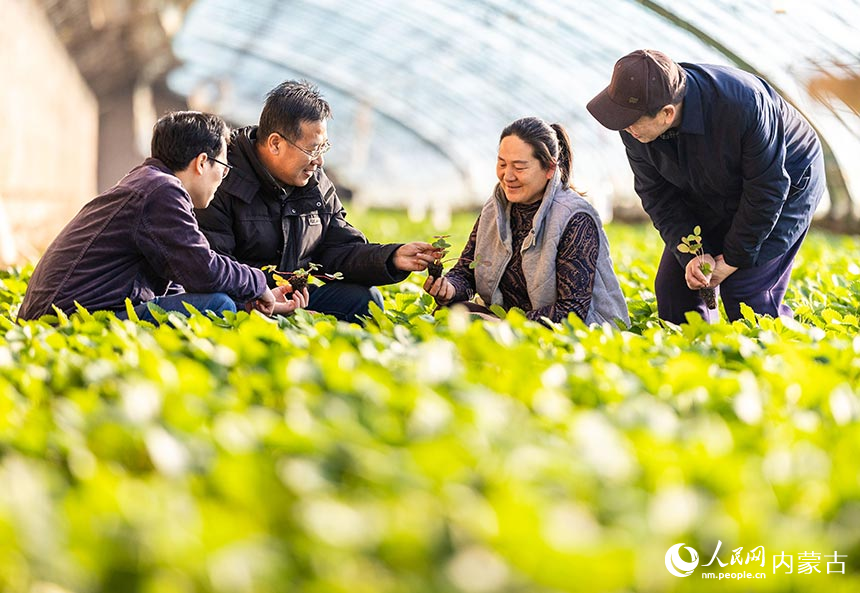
(344, 300)
(762, 288)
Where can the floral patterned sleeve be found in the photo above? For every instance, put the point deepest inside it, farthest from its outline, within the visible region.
(575, 267)
(460, 276)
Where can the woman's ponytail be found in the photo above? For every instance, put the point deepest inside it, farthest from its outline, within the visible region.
(564, 161)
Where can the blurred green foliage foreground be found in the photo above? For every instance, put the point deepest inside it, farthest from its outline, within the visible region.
(419, 454)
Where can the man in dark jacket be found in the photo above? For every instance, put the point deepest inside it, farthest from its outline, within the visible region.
(140, 236)
(278, 208)
(718, 148)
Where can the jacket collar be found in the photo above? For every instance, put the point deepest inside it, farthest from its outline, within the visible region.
(553, 187)
(503, 207)
(158, 164)
(692, 118)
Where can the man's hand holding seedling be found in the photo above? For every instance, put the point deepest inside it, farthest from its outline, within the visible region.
(265, 304)
(414, 257)
(288, 300)
(694, 274)
(722, 270)
(696, 279)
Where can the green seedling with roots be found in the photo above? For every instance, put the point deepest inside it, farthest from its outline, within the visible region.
(692, 244)
(440, 244)
(298, 279)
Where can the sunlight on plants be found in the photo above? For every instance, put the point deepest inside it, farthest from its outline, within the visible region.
(421, 453)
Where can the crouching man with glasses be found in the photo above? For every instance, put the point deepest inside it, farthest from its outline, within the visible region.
(277, 208)
(140, 240)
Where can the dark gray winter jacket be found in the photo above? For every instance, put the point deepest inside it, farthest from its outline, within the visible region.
(260, 222)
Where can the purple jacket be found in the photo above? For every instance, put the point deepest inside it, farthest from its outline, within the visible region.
(131, 242)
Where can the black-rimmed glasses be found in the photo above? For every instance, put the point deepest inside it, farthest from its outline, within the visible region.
(312, 154)
(227, 167)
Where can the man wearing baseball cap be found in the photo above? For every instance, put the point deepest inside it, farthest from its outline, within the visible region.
(715, 147)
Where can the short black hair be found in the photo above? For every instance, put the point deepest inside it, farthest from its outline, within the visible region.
(178, 137)
(288, 105)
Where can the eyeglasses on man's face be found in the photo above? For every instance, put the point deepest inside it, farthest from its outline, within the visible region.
(226, 166)
(312, 154)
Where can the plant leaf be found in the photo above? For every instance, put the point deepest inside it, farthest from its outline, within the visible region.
(130, 312)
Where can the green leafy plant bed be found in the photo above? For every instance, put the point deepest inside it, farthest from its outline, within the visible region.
(434, 454)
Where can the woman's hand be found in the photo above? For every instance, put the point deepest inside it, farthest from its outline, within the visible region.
(440, 289)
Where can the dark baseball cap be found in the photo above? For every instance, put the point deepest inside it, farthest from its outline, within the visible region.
(642, 82)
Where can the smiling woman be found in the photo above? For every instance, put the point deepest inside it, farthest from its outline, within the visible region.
(541, 245)
(521, 176)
